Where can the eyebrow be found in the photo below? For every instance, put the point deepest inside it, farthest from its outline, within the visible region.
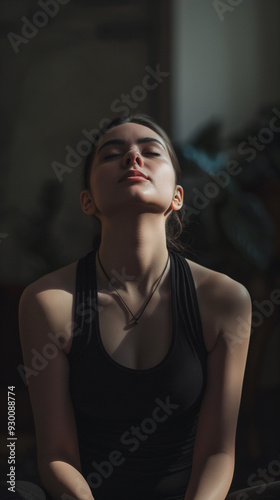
(123, 143)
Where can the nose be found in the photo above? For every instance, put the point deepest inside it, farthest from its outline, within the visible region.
(132, 157)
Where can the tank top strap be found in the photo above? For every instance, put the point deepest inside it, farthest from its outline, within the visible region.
(85, 305)
(187, 303)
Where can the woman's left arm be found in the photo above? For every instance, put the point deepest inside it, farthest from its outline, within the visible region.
(214, 452)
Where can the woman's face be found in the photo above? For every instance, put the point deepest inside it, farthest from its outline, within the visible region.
(125, 151)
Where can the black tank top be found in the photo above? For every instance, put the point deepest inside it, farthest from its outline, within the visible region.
(136, 428)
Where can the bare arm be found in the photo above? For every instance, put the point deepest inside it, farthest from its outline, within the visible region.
(214, 453)
(40, 313)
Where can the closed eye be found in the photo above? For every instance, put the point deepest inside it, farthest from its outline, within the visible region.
(113, 155)
(147, 153)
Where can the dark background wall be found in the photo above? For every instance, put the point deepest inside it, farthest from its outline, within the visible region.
(219, 86)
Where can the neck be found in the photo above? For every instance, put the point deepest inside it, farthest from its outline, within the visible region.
(134, 247)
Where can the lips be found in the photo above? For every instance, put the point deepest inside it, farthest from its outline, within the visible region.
(133, 173)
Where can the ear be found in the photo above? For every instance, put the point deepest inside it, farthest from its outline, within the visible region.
(177, 201)
(87, 203)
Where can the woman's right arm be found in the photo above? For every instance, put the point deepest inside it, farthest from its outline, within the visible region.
(41, 312)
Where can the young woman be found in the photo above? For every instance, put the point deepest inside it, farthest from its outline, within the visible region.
(140, 394)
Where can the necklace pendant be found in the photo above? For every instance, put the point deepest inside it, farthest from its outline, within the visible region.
(136, 320)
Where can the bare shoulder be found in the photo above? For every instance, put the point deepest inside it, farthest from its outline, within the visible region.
(217, 285)
(50, 299)
(45, 332)
(220, 299)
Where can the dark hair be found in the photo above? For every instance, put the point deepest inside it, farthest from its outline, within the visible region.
(175, 221)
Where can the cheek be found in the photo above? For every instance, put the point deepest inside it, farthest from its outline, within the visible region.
(98, 185)
(166, 181)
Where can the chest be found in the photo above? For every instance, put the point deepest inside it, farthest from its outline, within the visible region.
(137, 346)
(124, 370)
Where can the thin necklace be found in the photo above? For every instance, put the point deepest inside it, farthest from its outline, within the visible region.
(136, 318)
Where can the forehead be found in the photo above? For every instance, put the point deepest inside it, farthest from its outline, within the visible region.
(130, 132)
